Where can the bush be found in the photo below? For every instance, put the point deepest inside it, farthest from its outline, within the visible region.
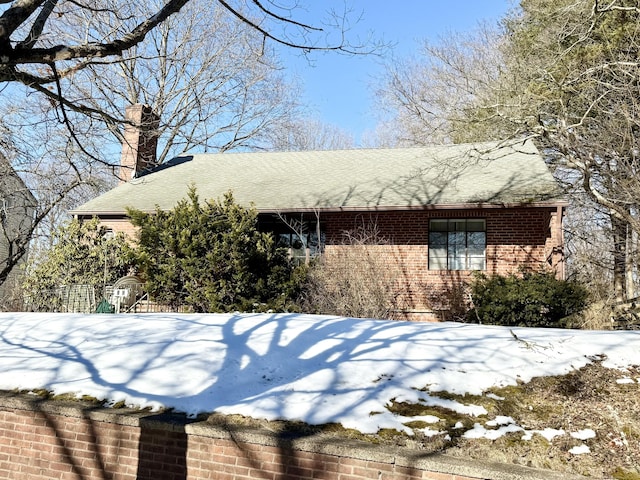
(529, 300)
(212, 258)
(353, 279)
(80, 253)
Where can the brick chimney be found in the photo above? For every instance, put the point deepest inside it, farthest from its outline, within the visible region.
(140, 141)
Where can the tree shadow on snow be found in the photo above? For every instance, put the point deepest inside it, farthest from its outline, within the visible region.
(243, 360)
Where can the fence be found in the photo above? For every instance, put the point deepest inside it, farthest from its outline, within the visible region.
(128, 298)
(64, 299)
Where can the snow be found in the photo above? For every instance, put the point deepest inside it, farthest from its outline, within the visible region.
(315, 369)
(580, 450)
(584, 434)
(479, 431)
(625, 380)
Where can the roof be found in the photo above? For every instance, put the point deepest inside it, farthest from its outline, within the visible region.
(487, 173)
(12, 185)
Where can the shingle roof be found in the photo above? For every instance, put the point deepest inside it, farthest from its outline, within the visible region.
(344, 179)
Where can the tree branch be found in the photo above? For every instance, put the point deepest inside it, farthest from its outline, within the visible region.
(15, 16)
(283, 19)
(282, 41)
(58, 53)
(38, 26)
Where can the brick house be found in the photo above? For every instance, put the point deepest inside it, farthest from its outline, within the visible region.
(444, 212)
(17, 209)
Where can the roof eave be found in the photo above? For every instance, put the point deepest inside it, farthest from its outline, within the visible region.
(376, 208)
(440, 206)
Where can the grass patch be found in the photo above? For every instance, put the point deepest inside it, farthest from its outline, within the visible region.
(449, 419)
(588, 399)
(622, 474)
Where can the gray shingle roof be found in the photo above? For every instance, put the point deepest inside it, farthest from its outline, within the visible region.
(344, 179)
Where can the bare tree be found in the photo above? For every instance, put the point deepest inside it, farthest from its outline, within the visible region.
(427, 97)
(564, 73)
(43, 174)
(310, 134)
(32, 54)
(198, 63)
(210, 79)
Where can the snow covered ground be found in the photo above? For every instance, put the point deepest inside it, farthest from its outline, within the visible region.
(315, 369)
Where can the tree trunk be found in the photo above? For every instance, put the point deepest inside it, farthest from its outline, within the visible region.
(630, 267)
(619, 237)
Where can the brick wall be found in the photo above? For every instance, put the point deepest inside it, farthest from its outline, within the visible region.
(49, 440)
(516, 237)
(119, 225)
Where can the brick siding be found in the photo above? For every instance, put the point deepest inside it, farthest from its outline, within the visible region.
(50, 440)
(523, 237)
(119, 224)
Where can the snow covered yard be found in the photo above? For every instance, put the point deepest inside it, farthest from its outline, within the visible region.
(314, 369)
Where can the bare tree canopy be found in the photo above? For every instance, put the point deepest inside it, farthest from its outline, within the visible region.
(210, 79)
(309, 134)
(427, 97)
(37, 50)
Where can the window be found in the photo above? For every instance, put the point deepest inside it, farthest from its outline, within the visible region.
(457, 244)
(301, 245)
(297, 233)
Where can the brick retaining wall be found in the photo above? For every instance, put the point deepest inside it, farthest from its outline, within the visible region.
(52, 440)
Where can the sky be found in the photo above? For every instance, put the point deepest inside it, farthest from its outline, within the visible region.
(339, 89)
(310, 368)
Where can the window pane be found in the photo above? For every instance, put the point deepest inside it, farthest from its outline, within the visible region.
(284, 240)
(297, 242)
(438, 239)
(438, 245)
(456, 263)
(437, 262)
(477, 263)
(475, 226)
(457, 225)
(457, 249)
(476, 239)
(457, 239)
(313, 244)
(438, 225)
(475, 252)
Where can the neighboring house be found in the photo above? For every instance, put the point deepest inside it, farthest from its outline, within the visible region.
(17, 208)
(444, 212)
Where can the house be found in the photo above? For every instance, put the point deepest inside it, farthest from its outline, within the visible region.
(17, 208)
(444, 212)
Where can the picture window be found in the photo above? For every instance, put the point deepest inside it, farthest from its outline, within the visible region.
(457, 244)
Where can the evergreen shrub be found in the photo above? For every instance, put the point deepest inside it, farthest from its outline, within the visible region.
(210, 256)
(532, 299)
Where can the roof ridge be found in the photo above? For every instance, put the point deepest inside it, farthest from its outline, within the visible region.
(472, 145)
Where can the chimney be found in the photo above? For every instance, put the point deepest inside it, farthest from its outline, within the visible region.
(140, 141)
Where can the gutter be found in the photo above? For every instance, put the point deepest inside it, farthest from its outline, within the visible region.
(394, 208)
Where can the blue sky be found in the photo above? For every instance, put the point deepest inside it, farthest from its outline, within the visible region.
(338, 89)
